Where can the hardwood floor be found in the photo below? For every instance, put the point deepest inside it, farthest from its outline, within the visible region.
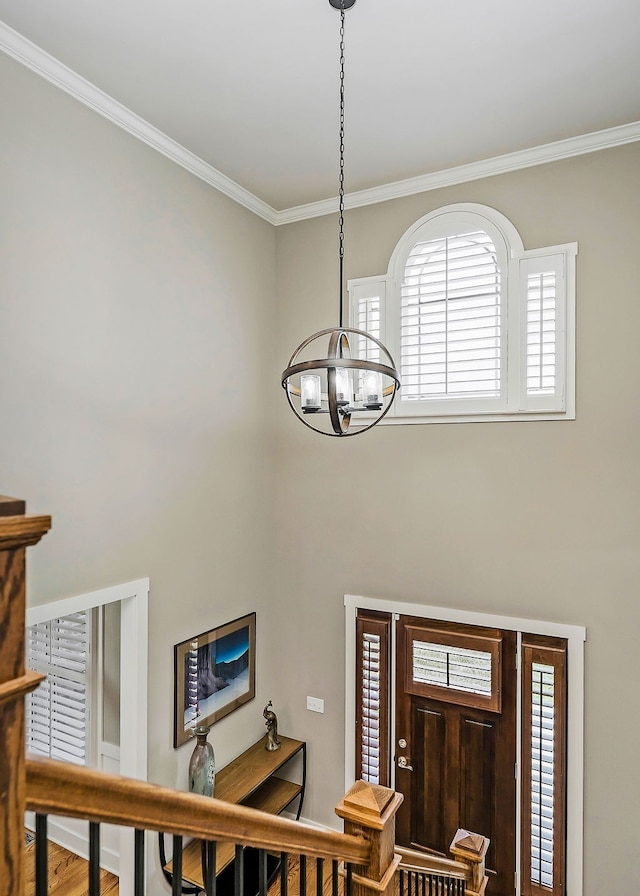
(68, 874)
(293, 879)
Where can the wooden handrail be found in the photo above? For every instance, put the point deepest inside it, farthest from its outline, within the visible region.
(62, 789)
(412, 860)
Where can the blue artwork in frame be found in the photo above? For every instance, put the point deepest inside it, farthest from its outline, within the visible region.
(214, 673)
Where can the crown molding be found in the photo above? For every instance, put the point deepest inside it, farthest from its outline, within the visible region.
(515, 161)
(33, 57)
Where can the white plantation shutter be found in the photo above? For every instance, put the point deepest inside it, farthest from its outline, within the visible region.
(368, 319)
(543, 762)
(370, 737)
(544, 350)
(372, 698)
(450, 319)
(542, 773)
(541, 333)
(57, 711)
(366, 301)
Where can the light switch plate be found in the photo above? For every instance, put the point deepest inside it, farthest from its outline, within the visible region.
(315, 704)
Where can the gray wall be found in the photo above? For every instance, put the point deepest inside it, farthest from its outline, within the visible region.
(136, 338)
(538, 519)
(138, 309)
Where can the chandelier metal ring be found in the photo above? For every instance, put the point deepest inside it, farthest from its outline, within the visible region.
(371, 396)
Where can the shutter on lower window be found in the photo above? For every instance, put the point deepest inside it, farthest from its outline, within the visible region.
(543, 765)
(372, 696)
(451, 319)
(57, 711)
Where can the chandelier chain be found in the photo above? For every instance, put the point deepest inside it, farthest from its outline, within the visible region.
(335, 383)
(341, 178)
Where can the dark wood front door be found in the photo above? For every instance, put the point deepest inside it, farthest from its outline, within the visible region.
(455, 747)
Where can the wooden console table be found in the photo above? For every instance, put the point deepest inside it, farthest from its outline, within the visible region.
(249, 780)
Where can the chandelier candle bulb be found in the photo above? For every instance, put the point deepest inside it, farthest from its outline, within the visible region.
(372, 390)
(344, 386)
(310, 396)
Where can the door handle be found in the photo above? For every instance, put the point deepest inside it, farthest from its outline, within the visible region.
(402, 763)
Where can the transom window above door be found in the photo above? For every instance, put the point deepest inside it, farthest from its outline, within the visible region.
(457, 667)
(480, 327)
(452, 667)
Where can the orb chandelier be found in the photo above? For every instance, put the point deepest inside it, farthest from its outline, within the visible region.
(341, 381)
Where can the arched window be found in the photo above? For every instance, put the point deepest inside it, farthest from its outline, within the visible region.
(478, 326)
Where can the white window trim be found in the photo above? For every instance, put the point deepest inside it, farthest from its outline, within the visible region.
(514, 405)
(576, 636)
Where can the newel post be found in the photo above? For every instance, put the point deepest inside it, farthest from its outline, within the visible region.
(369, 811)
(16, 532)
(471, 849)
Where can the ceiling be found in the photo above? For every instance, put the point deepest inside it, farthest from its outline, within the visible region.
(252, 87)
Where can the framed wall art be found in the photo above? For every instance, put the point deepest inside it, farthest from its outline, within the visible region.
(214, 673)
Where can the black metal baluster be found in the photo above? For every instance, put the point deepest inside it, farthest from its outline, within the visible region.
(94, 858)
(284, 873)
(138, 862)
(42, 861)
(335, 871)
(262, 872)
(210, 868)
(349, 879)
(303, 876)
(238, 877)
(402, 873)
(176, 872)
(319, 876)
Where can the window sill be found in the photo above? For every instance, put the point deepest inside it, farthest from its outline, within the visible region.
(498, 417)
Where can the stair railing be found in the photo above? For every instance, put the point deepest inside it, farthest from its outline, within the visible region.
(424, 874)
(59, 788)
(360, 862)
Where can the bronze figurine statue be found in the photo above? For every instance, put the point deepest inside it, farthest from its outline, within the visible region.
(271, 722)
